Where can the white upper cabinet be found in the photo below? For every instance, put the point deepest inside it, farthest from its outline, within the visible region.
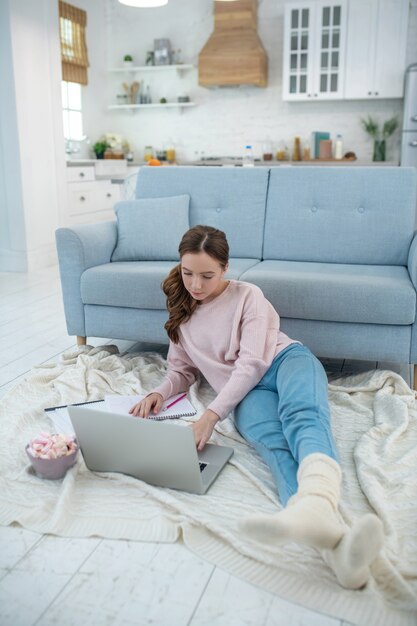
(376, 48)
(314, 50)
(351, 49)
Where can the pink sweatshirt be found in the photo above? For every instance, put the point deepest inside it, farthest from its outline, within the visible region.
(232, 340)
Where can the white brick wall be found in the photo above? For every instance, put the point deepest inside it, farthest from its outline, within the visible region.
(227, 118)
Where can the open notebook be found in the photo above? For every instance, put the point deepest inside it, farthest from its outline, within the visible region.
(181, 407)
(119, 404)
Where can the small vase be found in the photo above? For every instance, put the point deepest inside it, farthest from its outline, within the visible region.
(379, 150)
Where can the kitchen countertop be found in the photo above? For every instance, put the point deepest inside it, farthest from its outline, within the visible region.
(119, 180)
(237, 163)
(259, 163)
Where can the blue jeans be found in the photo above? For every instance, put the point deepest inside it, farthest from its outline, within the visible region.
(286, 416)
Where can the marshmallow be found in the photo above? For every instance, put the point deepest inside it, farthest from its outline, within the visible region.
(47, 446)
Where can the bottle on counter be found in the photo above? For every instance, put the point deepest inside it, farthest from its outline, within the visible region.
(338, 148)
(306, 150)
(170, 151)
(148, 154)
(296, 154)
(248, 160)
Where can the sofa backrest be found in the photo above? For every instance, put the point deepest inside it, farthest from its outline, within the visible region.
(339, 214)
(231, 199)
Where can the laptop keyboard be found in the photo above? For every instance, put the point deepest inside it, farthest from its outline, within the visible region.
(202, 466)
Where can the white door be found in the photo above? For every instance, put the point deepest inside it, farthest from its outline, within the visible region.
(360, 48)
(376, 48)
(390, 51)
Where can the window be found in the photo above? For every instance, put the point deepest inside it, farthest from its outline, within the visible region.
(72, 110)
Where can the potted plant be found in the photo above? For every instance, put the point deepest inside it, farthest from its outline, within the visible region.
(371, 126)
(128, 60)
(100, 148)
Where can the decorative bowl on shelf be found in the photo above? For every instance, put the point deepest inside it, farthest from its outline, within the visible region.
(51, 456)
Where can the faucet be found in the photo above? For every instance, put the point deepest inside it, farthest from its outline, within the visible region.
(72, 148)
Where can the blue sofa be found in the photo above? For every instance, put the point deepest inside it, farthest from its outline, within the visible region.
(332, 248)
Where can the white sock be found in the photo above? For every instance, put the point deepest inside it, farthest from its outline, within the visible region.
(358, 548)
(312, 516)
(310, 521)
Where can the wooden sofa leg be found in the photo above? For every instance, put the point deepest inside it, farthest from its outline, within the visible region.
(81, 341)
(415, 378)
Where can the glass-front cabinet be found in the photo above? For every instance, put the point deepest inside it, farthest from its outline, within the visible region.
(314, 50)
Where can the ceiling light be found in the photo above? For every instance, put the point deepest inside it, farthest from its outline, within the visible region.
(144, 4)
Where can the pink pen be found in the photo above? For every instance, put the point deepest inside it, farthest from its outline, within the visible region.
(175, 401)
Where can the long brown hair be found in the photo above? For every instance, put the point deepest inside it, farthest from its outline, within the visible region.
(180, 303)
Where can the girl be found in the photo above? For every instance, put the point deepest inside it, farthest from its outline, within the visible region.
(230, 332)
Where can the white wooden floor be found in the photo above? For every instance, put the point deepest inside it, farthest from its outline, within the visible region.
(47, 580)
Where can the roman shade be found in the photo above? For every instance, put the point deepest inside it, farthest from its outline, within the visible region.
(74, 55)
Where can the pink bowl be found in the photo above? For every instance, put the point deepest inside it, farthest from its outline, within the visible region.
(52, 468)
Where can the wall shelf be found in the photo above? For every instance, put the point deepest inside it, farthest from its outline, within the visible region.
(127, 107)
(153, 68)
(179, 68)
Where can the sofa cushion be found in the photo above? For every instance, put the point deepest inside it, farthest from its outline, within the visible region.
(342, 293)
(231, 199)
(151, 229)
(361, 215)
(137, 283)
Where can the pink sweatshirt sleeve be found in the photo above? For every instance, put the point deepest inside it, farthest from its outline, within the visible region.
(257, 350)
(181, 372)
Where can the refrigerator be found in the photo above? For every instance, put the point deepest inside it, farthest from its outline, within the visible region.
(409, 130)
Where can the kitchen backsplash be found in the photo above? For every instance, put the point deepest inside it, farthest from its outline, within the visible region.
(224, 120)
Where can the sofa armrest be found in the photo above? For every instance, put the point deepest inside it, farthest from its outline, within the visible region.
(412, 261)
(79, 248)
(412, 270)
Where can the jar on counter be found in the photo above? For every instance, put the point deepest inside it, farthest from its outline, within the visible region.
(161, 155)
(148, 154)
(283, 153)
(267, 151)
(170, 152)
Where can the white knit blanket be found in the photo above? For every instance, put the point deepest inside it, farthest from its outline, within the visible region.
(375, 424)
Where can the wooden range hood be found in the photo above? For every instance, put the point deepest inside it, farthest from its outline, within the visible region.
(234, 54)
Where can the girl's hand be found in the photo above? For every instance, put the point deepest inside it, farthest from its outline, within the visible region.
(204, 427)
(153, 402)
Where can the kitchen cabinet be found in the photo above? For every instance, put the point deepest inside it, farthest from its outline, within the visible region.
(376, 48)
(314, 50)
(89, 199)
(131, 72)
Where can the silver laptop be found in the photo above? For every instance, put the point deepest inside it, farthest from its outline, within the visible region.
(158, 452)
